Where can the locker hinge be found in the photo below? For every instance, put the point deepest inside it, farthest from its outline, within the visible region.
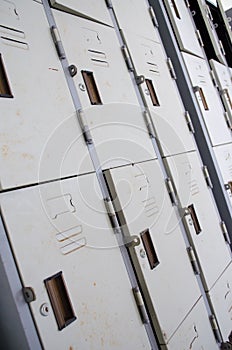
(171, 190)
(207, 176)
(225, 232)
(189, 122)
(222, 48)
(208, 13)
(111, 212)
(228, 121)
(149, 124)
(153, 16)
(198, 34)
(187, 3)
(57, 41)
(212, 75)
(140, 304)
(215, 328)
(84, 127)
(131, 241)
(171, 68)
(109, 4)
(127, 58)
(193, 260)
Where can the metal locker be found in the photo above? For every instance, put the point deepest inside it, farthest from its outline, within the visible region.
(86, 9)
(223, 155)
(159, 255)
(208, 100)
(106, 92)
(187, 36)
(223, 80)
(61, 239)
(193, 335)
(142, 18)
(221, 299)
(204, 23)
(200, 216)
(161, 95)
(40, 136)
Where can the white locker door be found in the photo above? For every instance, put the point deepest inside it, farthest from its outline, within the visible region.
(106, 91)
(206, 15)
(224, 158)
(201, 218)
(221, 299)
(87, 9)
(193, 335)
(139, 13)
(161, 95)
(208, 100)
(160, 259)
(67, 252)
(183, 27)
(223, 80)
(40, 138)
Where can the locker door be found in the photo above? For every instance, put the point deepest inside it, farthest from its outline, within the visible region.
(160, 259)
(87, 9)
(208, 100)
(40, 137)
(106, 91)
(61, 239)
(221, 298)
(224, 158)
(140, 14)
(183, 27)
(161, 95)
(193, 335)
(201, 218)
(204, 23)
(223, 80)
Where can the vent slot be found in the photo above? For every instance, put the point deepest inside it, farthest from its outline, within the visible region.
(91, 88)
(154, 98)
(194, 218)
(60, 300)
(5, 90)
(149, 248)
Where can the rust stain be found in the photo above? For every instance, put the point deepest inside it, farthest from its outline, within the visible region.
(27, 156)
(5, 150)
(70, 348)
(94, 283)
(18, 112)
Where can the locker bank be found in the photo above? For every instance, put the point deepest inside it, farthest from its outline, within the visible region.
(115, 175)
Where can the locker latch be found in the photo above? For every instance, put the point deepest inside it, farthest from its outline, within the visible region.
(131, 241)
(28, 294)
(171, 68)
(225, 232)
(207, 176)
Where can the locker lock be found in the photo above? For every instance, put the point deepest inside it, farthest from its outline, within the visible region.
(28, 294)
(140, 79)
(72, 70)
(44, 309)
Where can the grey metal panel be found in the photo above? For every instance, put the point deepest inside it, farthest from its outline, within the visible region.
(142, 203)
(63, 226)
(88, 9)
(183, 27)
(117, 124)
(204, 227)
(40, 135)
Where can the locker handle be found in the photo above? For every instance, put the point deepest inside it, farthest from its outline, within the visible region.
(194, 218)
(151, 89)
(91, 87)
(5, 90)
(149, 248)
(202, 97)
(175, 8)
(60, 300)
